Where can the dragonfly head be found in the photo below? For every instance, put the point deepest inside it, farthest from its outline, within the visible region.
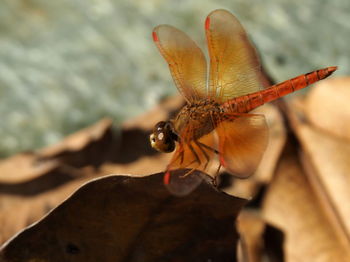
(163, 137)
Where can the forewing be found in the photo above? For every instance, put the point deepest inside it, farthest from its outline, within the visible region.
(234, 65)
(186, 61)
(242, 143)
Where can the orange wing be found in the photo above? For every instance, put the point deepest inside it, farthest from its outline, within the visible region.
(181, 185)
(234, 65)
(186, 61)
(242, 143)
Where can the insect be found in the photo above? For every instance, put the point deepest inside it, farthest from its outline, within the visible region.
(215, 123)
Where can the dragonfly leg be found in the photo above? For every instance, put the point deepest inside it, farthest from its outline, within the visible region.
(188, 173)
(218, 170)
(200, 146)
(181, 154)
(208, 147)
(194, 153)
(195, 160)
(215, 181)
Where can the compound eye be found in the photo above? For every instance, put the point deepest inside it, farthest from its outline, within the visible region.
(161, 138)
(168, 146)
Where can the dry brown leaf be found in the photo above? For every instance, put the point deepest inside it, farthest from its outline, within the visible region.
(89, 146)
(26, 177)
(118, 218)
(144, 165)
(47, 179)
(78, 140)
(326, 160)
(291, 205)
(259, 241)
(327, 106)
(328, 170)
(23, 167)
(77, 150)
(20, 210)
(251, 228)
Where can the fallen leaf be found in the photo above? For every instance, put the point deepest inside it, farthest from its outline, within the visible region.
(28, 173)
(327, 106)
(251, 228)
(23, 167)
(89, 146)
(259, 241)
(27, 179)
(18, 210)
(326, 161)
(291, 205)
(119, 218)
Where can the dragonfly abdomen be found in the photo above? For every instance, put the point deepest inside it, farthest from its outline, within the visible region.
(296, 83)
(247, 103)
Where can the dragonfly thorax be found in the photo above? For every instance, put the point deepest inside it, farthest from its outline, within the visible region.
(197, 119)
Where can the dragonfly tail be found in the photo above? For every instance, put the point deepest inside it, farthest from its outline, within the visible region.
(247, 103)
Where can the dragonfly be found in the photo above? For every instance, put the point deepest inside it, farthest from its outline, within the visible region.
(216, 123)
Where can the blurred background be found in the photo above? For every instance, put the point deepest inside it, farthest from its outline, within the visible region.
(66, 64)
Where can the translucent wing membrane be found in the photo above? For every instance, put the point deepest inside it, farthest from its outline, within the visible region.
(234, 65)
(186, 61)
(181, 185)
(242, 143)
